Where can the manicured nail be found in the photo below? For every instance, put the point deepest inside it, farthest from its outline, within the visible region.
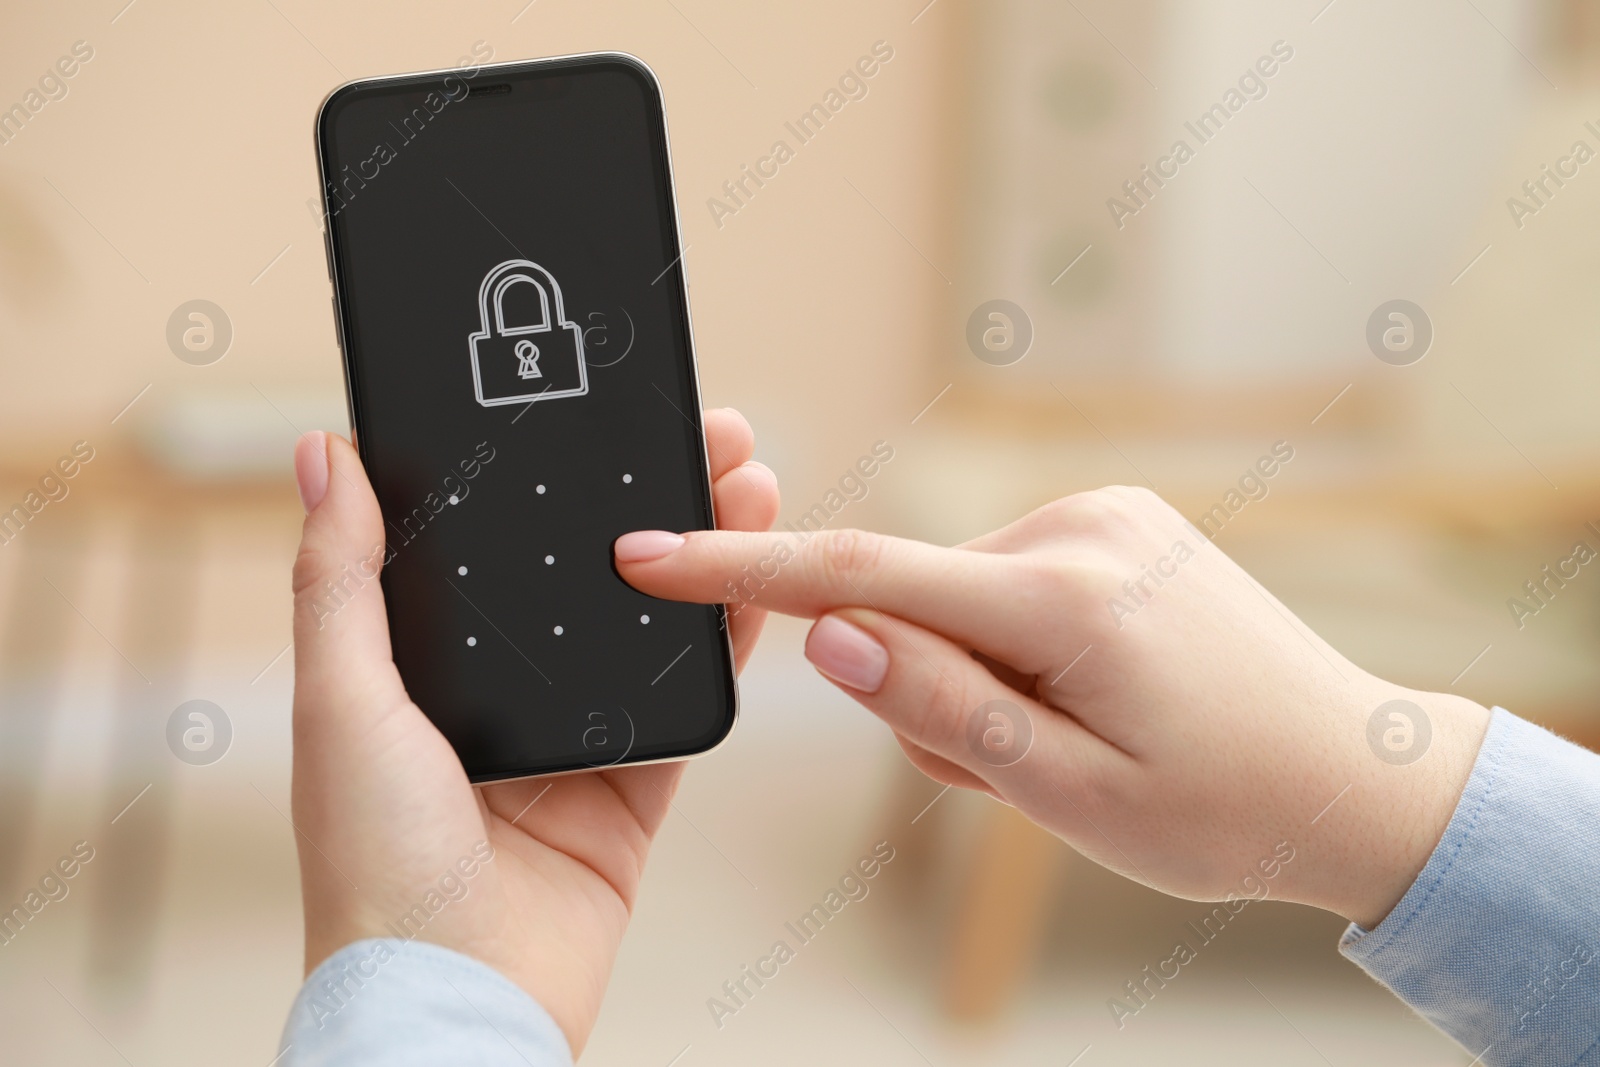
(847, 654)
(641, 546)
(311, 469)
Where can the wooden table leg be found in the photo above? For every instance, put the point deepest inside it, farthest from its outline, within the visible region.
(1000, 913)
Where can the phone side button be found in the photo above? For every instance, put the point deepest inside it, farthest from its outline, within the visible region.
(338, 328)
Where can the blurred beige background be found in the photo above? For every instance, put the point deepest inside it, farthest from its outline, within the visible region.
(1228, 313)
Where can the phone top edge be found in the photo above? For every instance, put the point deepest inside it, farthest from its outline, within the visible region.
(354, 84)
(385, 79)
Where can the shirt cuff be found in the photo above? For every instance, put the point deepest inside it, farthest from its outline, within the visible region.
(1495, 943)
(400, 1003)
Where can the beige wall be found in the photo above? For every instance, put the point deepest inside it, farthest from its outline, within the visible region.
(185, 144)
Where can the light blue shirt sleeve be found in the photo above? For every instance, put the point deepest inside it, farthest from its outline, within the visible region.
(402, 1003)
(1496, 941)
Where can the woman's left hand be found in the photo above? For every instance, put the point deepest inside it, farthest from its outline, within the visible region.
(384, 811)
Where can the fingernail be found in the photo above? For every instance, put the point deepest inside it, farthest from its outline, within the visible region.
(311, 469)
(847, 654)
(641, 546)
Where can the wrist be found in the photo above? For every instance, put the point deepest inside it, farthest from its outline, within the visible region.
(1412, 756)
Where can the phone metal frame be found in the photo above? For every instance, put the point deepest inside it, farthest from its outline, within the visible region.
(688, 323)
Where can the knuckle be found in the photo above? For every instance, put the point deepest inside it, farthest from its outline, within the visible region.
(1096, 511)
(1036, 574)
(314, 585)
(928, 695)
(850, 554)
(1067, 513)
(320, 576)
(1132, 494)
(1061, 583)
(1115, 504)
(308, 571)
(1138, 503)
(1118, 512)
(942, 712)
(1070, 507)
(1109, 509)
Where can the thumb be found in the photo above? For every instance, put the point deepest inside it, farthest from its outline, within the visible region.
(341, 634)
(939, 699)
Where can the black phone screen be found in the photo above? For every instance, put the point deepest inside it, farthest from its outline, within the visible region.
(514, 320)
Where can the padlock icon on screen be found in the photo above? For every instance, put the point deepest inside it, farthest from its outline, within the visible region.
(517, 363)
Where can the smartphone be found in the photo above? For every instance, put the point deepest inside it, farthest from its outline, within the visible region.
(512, 309)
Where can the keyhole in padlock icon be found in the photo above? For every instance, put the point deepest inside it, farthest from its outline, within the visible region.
(527, 354)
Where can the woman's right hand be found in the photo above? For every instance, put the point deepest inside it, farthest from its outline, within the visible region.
(1186, 729)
